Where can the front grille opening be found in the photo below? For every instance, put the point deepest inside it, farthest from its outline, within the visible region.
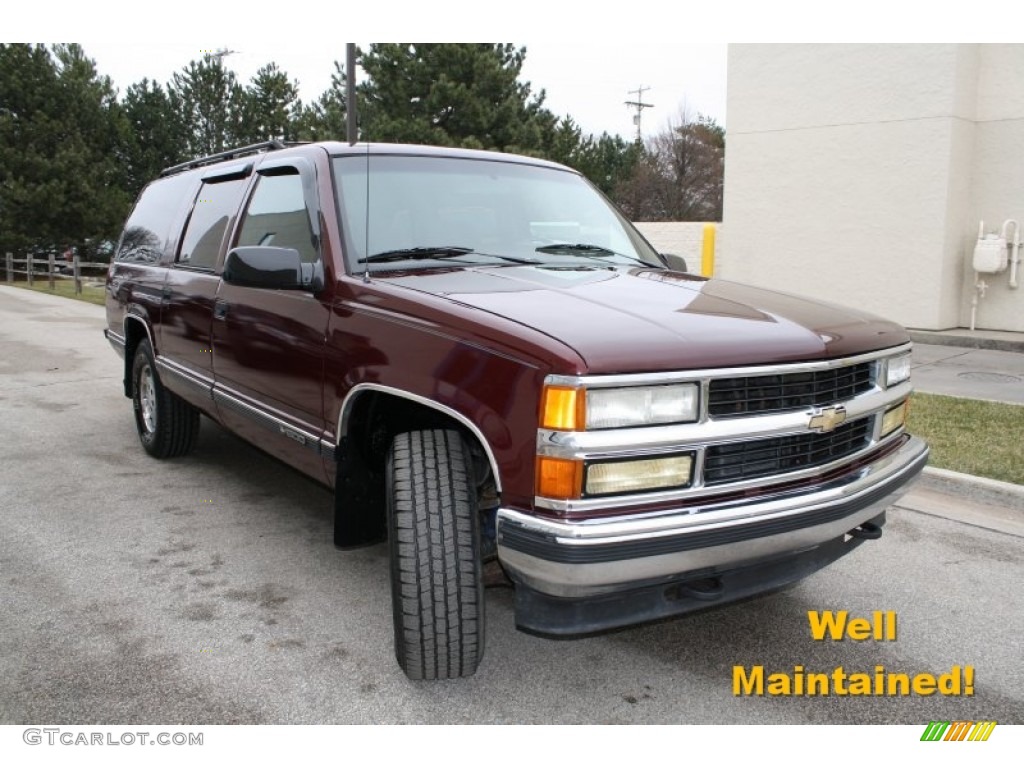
(763, 458)
(748, 395)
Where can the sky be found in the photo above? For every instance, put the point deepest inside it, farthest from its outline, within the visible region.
(587, 81)
(586, 56)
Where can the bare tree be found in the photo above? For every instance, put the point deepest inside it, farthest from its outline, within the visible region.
(679, 176)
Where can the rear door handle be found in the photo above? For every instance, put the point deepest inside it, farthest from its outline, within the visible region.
(220, 309)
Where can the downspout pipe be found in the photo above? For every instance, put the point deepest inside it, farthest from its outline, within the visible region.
(1015, 253)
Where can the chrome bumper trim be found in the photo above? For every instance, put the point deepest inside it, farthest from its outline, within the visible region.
(592, 557)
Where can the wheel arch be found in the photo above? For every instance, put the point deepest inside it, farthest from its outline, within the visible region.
(135, 330)
(359, 501)
(357, 397)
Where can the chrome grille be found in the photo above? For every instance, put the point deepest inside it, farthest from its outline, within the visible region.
(751, 395)
(763, 458)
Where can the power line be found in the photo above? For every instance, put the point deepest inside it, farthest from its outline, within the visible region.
(640, 107)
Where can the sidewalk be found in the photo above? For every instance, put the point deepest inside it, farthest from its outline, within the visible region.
(981, 374)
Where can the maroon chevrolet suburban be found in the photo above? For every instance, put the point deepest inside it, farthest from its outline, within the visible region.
(487, 362)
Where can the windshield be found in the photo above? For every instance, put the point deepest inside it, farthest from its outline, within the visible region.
(426, 212)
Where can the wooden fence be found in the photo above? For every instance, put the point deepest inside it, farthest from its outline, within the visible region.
(50, 268)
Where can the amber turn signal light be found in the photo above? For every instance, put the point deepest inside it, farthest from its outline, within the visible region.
(559, 478)
(563, 408)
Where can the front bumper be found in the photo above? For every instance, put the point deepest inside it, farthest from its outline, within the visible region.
(794, 532)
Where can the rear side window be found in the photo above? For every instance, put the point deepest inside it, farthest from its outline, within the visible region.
(214, 207)
(277, 216)
(146, 234)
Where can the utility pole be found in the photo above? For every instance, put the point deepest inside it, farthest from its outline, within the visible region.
(640, 107)
(351, 117)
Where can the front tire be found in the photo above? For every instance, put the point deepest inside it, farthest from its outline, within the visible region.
(167, 425)
(434, 533)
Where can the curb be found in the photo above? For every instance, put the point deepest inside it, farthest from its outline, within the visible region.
(974, 488)
(970, 342)
(918, 390)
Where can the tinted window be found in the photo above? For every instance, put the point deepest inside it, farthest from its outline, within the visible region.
(277, 216)
(149, 226)
(215, 204)
(390, 204)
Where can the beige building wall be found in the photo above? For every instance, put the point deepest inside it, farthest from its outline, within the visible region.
(856, 174)
(997, 179)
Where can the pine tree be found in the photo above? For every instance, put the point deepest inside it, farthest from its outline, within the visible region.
(62, 149)
(461, 94)
(211, 103)
(325, 118)
(157, 134)
(270, 102)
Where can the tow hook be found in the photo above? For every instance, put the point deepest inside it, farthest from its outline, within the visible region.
(866, 531)
(700, 589)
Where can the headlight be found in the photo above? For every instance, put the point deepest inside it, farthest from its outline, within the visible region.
(574, 409)
(895, 418)
(897, 369)
(641, 406)
(615, 477)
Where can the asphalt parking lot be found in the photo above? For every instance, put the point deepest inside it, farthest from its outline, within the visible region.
(207, 590)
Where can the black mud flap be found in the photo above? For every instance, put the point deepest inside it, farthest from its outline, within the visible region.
(359, 510)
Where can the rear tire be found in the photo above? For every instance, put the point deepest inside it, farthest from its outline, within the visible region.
(167, 425)
(434, 536)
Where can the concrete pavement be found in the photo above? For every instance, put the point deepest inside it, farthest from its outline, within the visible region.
(981, 374)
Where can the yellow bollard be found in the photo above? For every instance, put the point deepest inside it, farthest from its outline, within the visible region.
(707, 251)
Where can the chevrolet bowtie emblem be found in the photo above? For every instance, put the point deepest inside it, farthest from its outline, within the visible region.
(827, 419)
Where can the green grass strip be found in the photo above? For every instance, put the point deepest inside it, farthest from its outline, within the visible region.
(65, 288)
(975, 437)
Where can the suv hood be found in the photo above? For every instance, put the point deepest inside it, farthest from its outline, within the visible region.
(637, 319)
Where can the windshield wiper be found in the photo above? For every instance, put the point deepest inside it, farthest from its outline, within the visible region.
(513, 259)
(587, 249)
(438, 252)
(423, 252)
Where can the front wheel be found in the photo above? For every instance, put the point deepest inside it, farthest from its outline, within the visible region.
(436, 583)
(167, 425)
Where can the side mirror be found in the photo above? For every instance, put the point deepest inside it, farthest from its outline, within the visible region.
(264, 266)
(678, 263)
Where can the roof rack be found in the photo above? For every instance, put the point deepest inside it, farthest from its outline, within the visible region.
(251, 149)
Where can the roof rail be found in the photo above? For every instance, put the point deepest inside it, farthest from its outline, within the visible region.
(263, 146)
